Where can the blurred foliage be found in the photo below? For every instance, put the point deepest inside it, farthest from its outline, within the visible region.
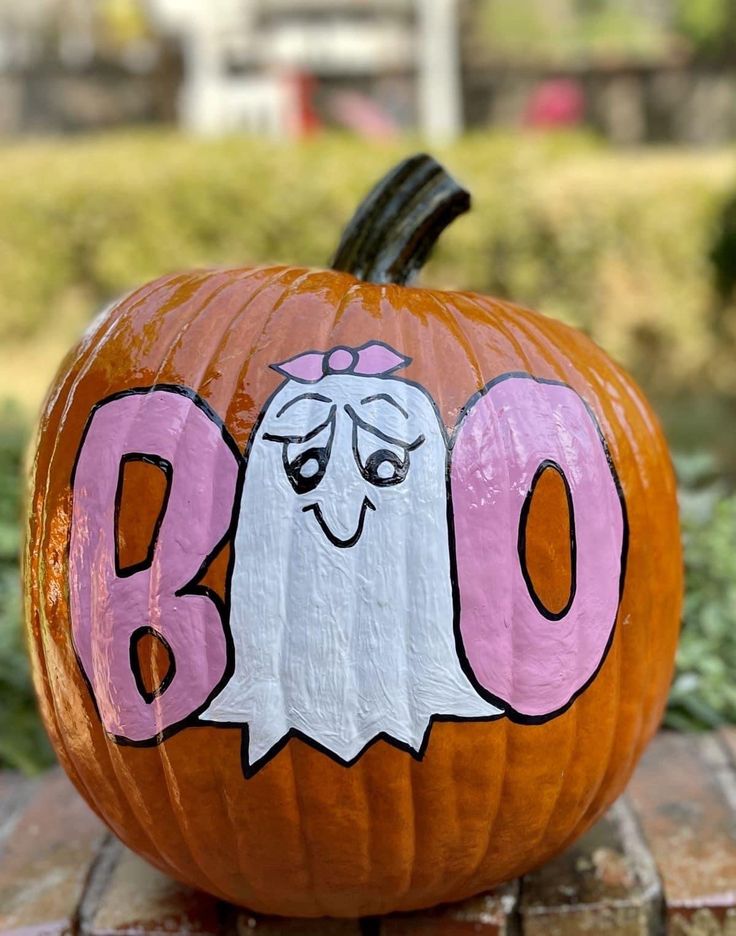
(723, 250)
(616, 243)
(23, 744)
(566, 29)
(704, 690)
(586, 29)
(708, 25)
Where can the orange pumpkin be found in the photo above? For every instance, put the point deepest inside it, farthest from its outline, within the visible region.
(346, 596)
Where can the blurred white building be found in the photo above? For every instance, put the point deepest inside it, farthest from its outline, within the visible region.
(251, 64)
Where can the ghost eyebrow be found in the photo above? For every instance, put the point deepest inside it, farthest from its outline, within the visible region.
(389, 399)
(374, 430)
(303, 396)
(330, 421)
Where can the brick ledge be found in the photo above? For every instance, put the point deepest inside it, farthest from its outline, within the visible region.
(662, 860)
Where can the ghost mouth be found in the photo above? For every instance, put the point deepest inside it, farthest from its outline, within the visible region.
(336, 540)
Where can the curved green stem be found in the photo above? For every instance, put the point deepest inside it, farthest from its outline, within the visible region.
(395, 228)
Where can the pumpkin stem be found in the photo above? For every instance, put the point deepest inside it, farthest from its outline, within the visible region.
(394, 229)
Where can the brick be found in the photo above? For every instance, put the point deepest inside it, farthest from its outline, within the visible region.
(605, 883)
(130, 898)
(14, 793)
(727, 738)
(248, 923)
(684, 794)
(46, 859)
(491, 914)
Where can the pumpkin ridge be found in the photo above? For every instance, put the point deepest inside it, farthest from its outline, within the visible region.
(271, 276)
(562, 341)
(453, 320)
(295, 760)
(238, 316)
(532, 325)
(566, 337)
(499, 320)
(117, 756)
(650, 423)
(497, 809)
(69, 385)
(168, 771)
(289, 288)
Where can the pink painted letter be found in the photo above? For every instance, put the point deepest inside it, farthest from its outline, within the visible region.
(109, 606)
(535, 663)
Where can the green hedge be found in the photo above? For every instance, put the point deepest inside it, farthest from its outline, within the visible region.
(615, 242)
(23, 745)
(704, 690)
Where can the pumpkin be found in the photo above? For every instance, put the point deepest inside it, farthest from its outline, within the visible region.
(346, 596)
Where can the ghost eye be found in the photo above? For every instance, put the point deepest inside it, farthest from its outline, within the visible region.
(384, 468)
(306, 470)
(305, 455)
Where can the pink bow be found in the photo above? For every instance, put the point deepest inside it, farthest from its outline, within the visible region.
(374, 359)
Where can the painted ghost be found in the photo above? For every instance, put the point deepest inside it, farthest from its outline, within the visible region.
(341, 596)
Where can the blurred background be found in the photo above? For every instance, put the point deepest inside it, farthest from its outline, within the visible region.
(598, 138)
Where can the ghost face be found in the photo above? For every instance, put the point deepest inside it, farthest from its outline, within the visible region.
(347, 450)
(341, 598)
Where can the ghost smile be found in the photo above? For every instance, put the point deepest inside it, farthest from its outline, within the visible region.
(336, 540)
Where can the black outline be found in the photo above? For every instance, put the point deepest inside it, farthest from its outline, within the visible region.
(383, 436)
(335, 540)
(303, 396)
(388, 398)
(250, 769)
(511, 713)
(135, 663)
(548, 464)
(298, 439)
(192, 587)
(354, 357)
(319, 453)
(168, 471)
(401, 467)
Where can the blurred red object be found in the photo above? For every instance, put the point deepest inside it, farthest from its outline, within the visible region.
(306, 120)
(559, 102)
(362, 114)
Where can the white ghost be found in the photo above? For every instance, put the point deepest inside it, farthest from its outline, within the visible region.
(341, 594)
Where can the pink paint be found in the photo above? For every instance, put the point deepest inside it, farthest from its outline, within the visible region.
(307, 367)
(374, 359)
(377, 360)
(107, 609)
(340, 360)
(534, 664)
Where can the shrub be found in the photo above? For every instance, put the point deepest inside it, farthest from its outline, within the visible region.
(615, 242)
(23, 745)
(704, 692)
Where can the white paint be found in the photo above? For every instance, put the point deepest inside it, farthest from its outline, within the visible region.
(343, 644)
